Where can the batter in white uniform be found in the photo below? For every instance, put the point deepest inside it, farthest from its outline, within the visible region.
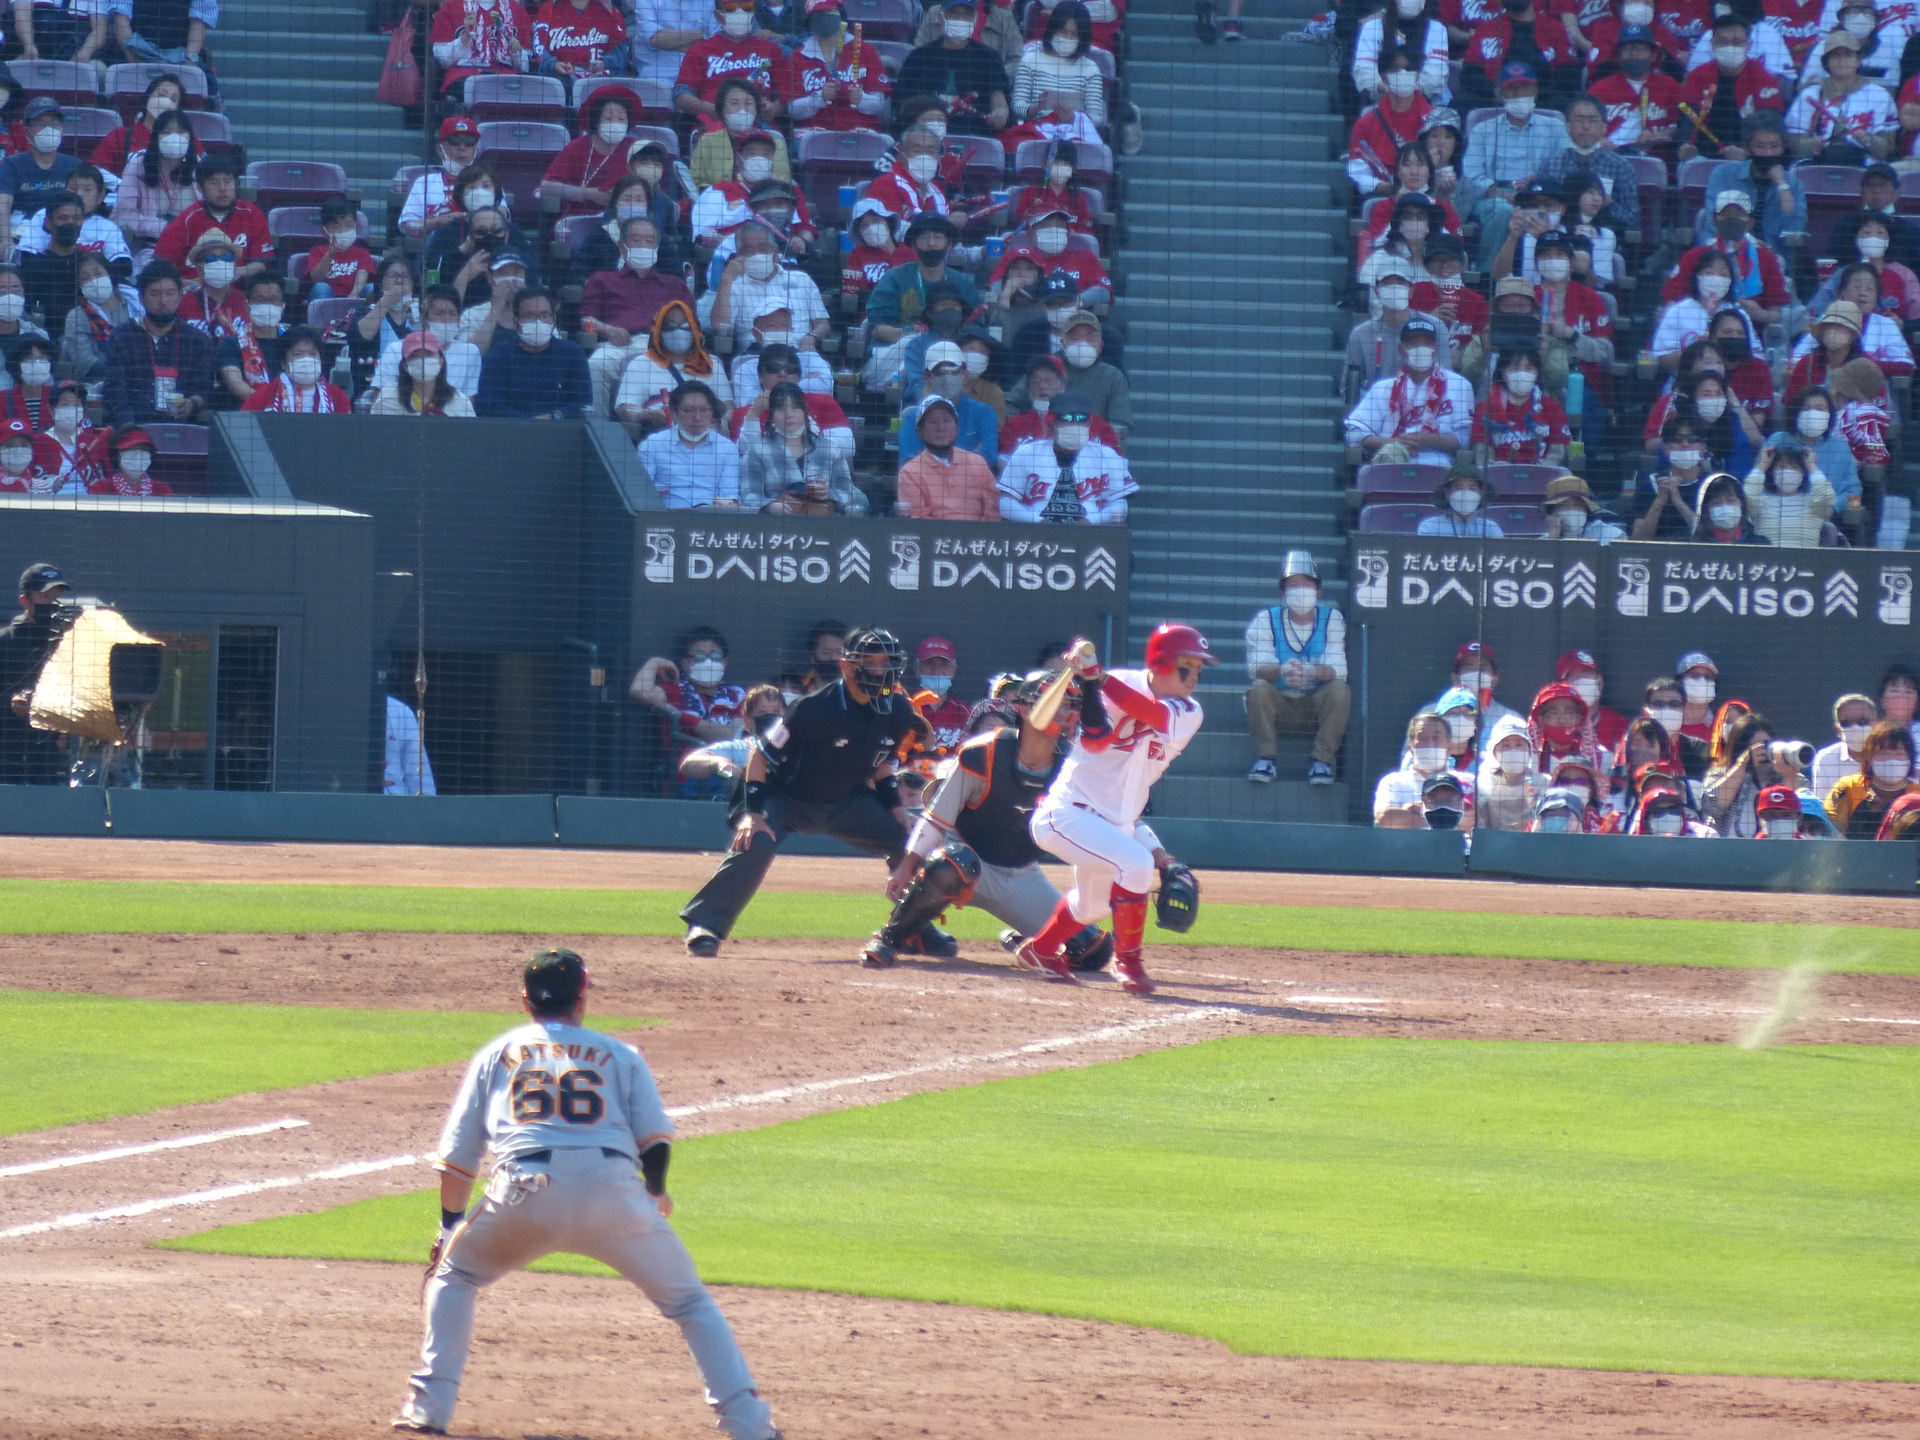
(1090, 818)
(565, 1111)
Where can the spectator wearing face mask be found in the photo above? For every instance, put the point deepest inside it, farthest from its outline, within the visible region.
(1667, 706)
(1422, 414)
(1461, 502)
(1104, 388)
(342, 266)
(993, 26)
(1559, 811)
(691, 695)
(1384, 127)
(632, 198)
(945, 374)
(429, 202)
(1686, 318)
(1573, 514)
(1898, 692)
(1853, 719)
(913, 187)
(1757, 281)
(1731, 786)
(1881, 338)
(944, 480)
(1397, 796)
(99, 307)
(420, 385)
(1843, 115)
(674, 357)
(1068, 479)
(1412, 219)
(480, 37)
(98, 235)
(945, 313)
(157, 185)
(1442, 293)
(49, 268)
(1730, 433)
(1588, 152)
(582, 175)
(754, 282)
(1559, 725)
(1895, 291)
(982, 357)
(732, 52)
(130, 473)
(1834, 357)
(1046, 334)
(959, 66)
(1525, 33)
(1373, 346)
(1518, 424)
(1588, 780)
(1787, 496)
(719, 153)
(30, 397)
(1412, 26)
(157, 368)
(578, 38)
(777, 365)
(1723, 514)
(72, 447)
(1726, 89)
(1507, 152)
(831, 86)
(788, 468)
(1748, 377)
(1778, 809)
(1046, 378)
(1462, 714)
(250, 358)
(1879, 194)
(1059, 64)
(300, 388)
(1580, 672)
(1644, 751)
(1507, 785)
(1514, 324)
(219, 208)
(874, 253)
(1476, 671)
(534, 374)
(936, 664)
(1058, 192)
(620, 304)
(1297, 665)
(216, 302)
(1662, 812)
(900, 299)
(1048, 242)
(383, 322)
(693, 465)
(29, 177)
(1642, 102)
(1776, 198)
(123, 142)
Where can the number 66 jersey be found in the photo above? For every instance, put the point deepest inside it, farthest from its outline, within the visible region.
(547, 1085)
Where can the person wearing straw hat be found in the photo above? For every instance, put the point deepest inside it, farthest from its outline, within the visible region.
(1573, 514)
(1297, 662)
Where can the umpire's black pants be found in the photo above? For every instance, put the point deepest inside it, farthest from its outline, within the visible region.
(860, 820)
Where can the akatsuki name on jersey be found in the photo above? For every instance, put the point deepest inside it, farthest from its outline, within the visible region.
(515, 1056)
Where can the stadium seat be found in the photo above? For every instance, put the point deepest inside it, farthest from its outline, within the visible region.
(883, 19)
(295, 182)
(299, 226)
(1398, 482)
(655, 96)
(322, 313)
(211, 130)
(1095, 169)
(986, 162)
(570, 233)
(893, 53)
(86, 127)
(520, 153)
(531, 98)
(1832, 191)
(1691, 184)
(180, 456)
(127, 87)
(1401, 519)
(824, 160)
(67, 81)
(1519, 522)
(665, 134)
(1516, 481)
(1650, 179)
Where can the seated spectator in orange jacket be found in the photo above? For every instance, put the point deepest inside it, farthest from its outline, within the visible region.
(944, 482)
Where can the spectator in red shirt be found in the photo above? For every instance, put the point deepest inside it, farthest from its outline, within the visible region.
(30, 398)
(1723, 92)
(1749, 377)
(1047, 245)
(1519, 423)
(216, 303)
(123, 142)
(480, 37)
(1445, 295)
(300, 388)
(735, 52)
(220, 207)
(133, 450)
(580, 37)
(1384, 127)
(1759, 280)
(780, 365)
(875, 250)
(1581, 672)
(937, 663)
(1046, 378)
(620, 304)
(1523, 32)
(582, 175)
(1059, 191)
(832, 88)
(691, 696)
(1642, 102)
(342, 267)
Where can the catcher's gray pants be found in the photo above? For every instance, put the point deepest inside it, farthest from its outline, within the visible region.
(585, 1202)
(1021, 896)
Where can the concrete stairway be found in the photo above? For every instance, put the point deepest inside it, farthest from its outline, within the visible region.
(298, 80)
(1235, 251)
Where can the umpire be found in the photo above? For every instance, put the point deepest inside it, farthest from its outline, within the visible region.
(825, 768)
(29, 756)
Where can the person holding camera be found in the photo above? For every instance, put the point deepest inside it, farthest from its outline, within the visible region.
(1727, 794)
(29, 756)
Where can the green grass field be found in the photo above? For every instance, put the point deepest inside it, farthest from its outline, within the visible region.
(1665, 1207)
(86, 1057)
(74, 907)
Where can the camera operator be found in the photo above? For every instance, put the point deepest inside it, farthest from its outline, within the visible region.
(29, 756)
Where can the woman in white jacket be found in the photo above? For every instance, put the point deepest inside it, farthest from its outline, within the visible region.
(1788, 499)
(1509, 783)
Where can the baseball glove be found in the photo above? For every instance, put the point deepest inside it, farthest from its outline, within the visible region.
(433, 1257)
(1179, 899)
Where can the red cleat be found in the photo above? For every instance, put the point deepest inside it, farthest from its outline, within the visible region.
(1054, 967)
(1131, 974)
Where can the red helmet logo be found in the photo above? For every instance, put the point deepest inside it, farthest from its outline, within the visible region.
(1167, 644)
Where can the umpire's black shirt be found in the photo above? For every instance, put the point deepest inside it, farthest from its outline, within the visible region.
(828, 744)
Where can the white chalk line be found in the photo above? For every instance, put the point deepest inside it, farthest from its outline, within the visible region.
(1121, 1031)
(94, 1157)
(948, 992)
(1333, 1000)
(208, 1197)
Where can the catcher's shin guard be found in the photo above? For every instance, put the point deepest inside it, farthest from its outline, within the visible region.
(946, 879)
(1091, 949)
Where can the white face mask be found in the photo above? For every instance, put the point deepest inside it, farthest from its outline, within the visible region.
(423, 368)
(1698, 689)
(612, 132)
(1588, 689)
(536, 332)
(1401, 83)
(99, 289)
(1063, 46)
(708, 670)
(641, 257)
(1730, 57)
(265, 315)
(1040, 403)
(1667, 720)
(1854, 736)
(762, 266)
(1409, 9)
(938, 127)
(1713, 287)
(692, 437)
(1463, 502)
(1710, 407)
(479, 197)
(1871, 247)
(923, 167)
(876, 237)
(1428, 758)
(16, 457)
(172, 145)
(1413, 229)
(1782, 827)
(938, 684)
(1071, 437)
(1514, 761)
(676, 342)
(305, 369)
(135, 462)
(67, 417)
(1788, 482)
(1474, 683)
(218, 273)
(1813, 423)
(35, 372)
(12, 307)
(1394, 297)
(1060, 171)
(737, 23)
(1051, 240)
(1419, 358)
(1058, 315)
(1890, 768)
(1519, 107)
(1302, 598)
(1080, 354)
(445, 331)
(1460, 727)
(158, 105)
(1667, 822)
(958, 29)
(950, 384)
(1573, 520)
(1636, 14)
(1555, 268)
(738, 121)
(1858, 23)
(756, 168)
(977, 362)
(1684, 459)
(1520, 382)
(1724, 517)
(775, 337)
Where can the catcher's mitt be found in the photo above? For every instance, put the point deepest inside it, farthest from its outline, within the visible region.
(1179, 899)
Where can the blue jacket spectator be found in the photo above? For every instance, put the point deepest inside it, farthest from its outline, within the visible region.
(534, 375)
(1777, 211)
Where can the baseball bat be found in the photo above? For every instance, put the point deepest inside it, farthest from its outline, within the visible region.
(1048, 705)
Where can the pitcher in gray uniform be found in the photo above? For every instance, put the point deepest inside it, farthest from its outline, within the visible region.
(565, 1112)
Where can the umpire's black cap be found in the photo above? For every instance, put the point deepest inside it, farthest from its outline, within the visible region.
(555, 980)
(38, 579)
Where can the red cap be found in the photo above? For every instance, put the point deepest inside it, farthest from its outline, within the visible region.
(819, 7)
(131, 438)
(1776, 797)
(460, 127)
(17, 427)
(1475, 650)
(1167, 644)
(1575, 660)
(937, 647)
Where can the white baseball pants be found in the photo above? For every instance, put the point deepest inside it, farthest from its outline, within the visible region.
(584, 1202)
(1101, 853)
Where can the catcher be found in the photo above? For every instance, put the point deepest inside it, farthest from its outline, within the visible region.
(972, 845)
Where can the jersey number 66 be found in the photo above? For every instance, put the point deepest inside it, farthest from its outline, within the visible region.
(579, 1099)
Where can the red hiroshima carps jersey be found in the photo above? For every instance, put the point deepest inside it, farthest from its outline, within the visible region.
(1113, 780)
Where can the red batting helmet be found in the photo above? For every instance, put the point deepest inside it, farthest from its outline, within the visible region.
(1167, 644)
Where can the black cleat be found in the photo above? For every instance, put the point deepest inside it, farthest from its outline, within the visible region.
(703, 943)
(930, 940)
(878, 955)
